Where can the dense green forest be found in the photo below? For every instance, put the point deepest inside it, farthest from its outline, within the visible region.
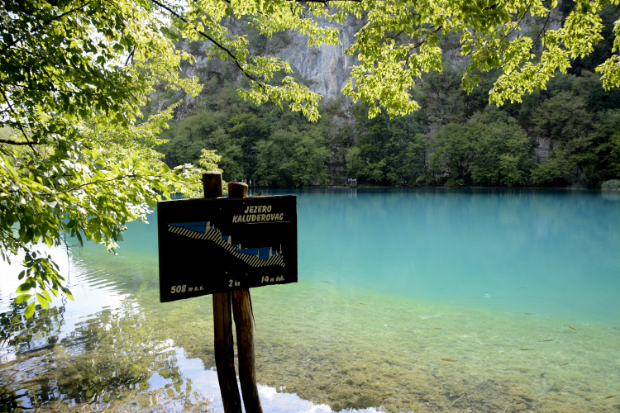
(566, 135)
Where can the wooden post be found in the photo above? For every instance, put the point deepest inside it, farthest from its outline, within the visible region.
(237, 190)
(222, 322)
(212, 184)
(244, 323)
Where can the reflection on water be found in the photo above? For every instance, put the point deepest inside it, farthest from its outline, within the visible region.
(408, 301)
(111, 360)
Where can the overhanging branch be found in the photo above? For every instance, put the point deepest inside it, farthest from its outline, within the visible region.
(21, 128)
(205, 35)
(12, 142)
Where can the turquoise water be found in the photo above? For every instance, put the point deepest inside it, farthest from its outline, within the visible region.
(408, 300)
(556, 253)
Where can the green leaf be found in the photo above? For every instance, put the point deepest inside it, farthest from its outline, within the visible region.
(44, 303)
(21, 298)
(67, 293)
(29, 310)
(47, 295)
(24, 288)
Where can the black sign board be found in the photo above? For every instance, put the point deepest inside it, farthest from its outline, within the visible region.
(209, 246)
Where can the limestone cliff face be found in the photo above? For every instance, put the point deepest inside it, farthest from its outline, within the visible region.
(326, 67)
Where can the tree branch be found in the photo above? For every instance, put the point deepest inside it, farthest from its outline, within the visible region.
(396, 35)
(415, 46)
(520, 20)
(21, 128)
(98, 182)
(232, 56)
(75, 92)
(75, 188)
(12, 142)
(542, 31)
(130, 56)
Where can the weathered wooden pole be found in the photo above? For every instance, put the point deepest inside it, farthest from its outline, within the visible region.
(244, 323)
(222, 322)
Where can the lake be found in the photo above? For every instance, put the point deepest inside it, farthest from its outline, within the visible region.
(428, 300)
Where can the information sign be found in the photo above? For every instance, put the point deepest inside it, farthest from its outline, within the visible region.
(209, 246)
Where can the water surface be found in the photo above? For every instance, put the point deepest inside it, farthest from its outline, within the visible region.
(408, 300)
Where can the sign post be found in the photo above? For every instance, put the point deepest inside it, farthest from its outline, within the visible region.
(224, 246)
(244, 321)
(222, 322)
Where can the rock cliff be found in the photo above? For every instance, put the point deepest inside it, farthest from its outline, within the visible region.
(326, 69)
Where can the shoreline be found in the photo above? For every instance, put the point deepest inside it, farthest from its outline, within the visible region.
(555, 188)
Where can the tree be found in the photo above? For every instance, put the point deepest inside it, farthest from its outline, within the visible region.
(606, 138)
(561, 118)
(503, 151)
(272, 156)
(387, 147)
(454, 154)
(307, 164)
(415, 165)
(72, 77)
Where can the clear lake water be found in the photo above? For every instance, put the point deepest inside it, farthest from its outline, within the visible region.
(427, 300)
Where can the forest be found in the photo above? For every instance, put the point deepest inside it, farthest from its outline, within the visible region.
(567, 135)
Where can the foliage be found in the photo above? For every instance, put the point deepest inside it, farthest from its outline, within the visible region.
(401, 41)
(404, 40)
(402, 65)
(189, 176)
(493, 146)
(77, 161)
(259, 142)
(205, 20)
(503, 150)
(611, 184)
(602, 50)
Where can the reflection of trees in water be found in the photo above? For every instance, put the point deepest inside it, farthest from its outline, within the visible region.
(23, 335)
(107, 362)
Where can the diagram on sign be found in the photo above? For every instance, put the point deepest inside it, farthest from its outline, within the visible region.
(256, 257)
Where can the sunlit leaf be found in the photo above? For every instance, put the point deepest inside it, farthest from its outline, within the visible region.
(29, 310)
(22, 298)
(44, 303)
